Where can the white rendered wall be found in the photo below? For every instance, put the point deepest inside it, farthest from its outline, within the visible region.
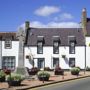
(11, 52)
(48, 55)
(87, 51)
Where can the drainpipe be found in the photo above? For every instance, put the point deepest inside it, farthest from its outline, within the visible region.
(85, 60)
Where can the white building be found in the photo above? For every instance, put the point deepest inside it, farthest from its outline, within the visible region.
(9, 46)
(48, 47)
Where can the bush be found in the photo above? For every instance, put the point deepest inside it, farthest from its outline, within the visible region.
(2, 76)
(43, 75)
(14, 77)
(75, 71)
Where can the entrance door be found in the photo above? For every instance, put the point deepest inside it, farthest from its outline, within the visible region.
(55, 62)
(41, 63)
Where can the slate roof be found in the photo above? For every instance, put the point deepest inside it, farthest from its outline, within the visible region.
(48, 33)
(8, 35)
(88, 27)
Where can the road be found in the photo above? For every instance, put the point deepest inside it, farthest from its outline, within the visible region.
(81, 84)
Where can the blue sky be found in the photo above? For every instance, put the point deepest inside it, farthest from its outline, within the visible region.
(41, 13)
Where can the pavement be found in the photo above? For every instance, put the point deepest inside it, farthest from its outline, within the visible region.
(33, 82)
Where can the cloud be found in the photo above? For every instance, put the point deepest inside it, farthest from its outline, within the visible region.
(46, 10)
(38, 24)
(64, 17)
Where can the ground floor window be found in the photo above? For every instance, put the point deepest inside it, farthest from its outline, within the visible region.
(8, 62)
(41, 63)
(71, 62)
(55, 62)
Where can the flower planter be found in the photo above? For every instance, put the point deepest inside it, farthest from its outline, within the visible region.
(75, 73)
(2, 79)
(43, 78)
(14, 83)
(59, 72)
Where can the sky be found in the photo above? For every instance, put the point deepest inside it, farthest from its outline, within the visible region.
(41, 13)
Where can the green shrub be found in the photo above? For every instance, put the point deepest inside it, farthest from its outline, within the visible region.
(75, 71)
(43, 74)
(2, 74)
(14, 77)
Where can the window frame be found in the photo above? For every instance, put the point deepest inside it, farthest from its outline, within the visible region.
(55, 48)
(72, 47)
(6, 60)
(39, 47)
(8, 44)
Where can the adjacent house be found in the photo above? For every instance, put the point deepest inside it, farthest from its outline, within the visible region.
(8, 50)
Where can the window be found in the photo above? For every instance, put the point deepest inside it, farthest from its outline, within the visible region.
(8, 62)
(71, 62)
(56, 47)
(40, 47)
(41, 63)
(55, 62)
(72, 48)
(8, 44)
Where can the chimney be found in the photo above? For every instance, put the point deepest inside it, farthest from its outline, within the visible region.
(84, 20)
(27, 25)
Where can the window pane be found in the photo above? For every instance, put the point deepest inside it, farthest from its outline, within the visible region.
(8, 44)
(72, 62)
(40, 48)
(8, 62)
(56, 48)
(72, 48)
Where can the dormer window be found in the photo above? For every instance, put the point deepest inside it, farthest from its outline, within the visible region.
(8, 44)
(40, 42)
(72, 48)
(40, 47)
(56, 47)
(72, 42)
(56, 42)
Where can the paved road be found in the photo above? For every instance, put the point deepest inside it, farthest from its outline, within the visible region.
(81, 84)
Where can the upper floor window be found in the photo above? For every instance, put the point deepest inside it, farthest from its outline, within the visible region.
(72, 42)
(8, 44)
(56, 47)
(40, 47)
(72, 48)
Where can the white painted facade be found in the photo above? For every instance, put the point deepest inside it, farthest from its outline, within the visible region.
(48, 55)
(88, 51)
(13, 51)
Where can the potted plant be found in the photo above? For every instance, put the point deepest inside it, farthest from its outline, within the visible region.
(2, 76)
(43, 75)
(33, 71)
(58, 71)
(75, 71)
(14, 79)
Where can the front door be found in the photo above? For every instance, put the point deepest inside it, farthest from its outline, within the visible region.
(41, 63)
